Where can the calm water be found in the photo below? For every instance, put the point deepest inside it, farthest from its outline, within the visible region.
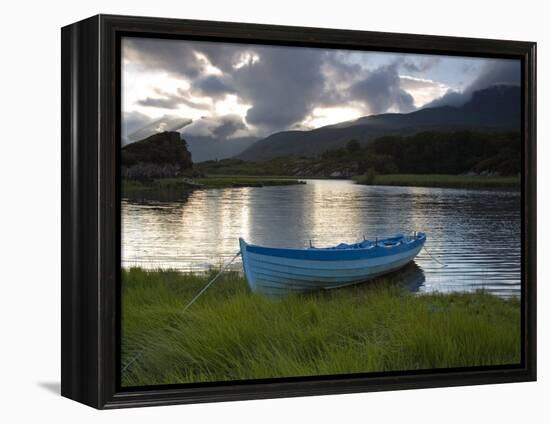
(476, 233)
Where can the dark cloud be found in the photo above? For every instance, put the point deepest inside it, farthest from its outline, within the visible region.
(222, 56)
(134, 120)
(171, 56)
(180, 57)
(404, 102)
(213, 86)
(229, 125)
(172, 101)
(194, 105)
(337, 72)
(282, 86)
(507, 72)
(163, 102)
(419, 64)
(165, 123)
(381, 90)
(450, 98)
(495, 72)
(131, 122)
(335, 66)
(216, 127)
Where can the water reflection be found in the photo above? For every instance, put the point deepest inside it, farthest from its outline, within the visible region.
(412, 277)
(157, 195)
(476, 233)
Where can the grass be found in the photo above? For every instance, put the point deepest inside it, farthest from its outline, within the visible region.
(233, 334)
(222, 181)
(441, 180)
(275, 166)
(131, 187)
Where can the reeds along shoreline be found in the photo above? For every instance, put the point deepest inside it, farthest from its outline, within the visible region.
(233, 334)
(134, 186)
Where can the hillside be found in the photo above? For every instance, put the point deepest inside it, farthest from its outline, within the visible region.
(493, 108)
(211, 148)
(452, 153)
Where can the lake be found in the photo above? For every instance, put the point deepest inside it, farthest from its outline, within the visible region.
(475, 233)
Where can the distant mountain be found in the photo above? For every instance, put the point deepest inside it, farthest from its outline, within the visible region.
(209, 148)
(493, 108)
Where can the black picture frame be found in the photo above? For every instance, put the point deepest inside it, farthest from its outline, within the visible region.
(90, 222)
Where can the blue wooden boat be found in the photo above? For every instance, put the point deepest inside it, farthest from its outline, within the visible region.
(279, 271)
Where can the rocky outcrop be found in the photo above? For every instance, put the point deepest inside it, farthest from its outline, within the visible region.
(161, 155)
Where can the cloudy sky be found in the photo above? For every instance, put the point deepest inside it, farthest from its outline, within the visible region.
(229, 91)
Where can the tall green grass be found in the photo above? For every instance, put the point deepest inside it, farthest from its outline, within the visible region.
(232, 334)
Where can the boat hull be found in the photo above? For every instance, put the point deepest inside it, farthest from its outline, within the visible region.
(277, 272)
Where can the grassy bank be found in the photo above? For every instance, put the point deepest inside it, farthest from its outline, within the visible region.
(130, 187)
(232, 334)
(441, 180)
(222, 181)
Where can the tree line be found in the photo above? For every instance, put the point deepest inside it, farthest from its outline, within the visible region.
(434, 152)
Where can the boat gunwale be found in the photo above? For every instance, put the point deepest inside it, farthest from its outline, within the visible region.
(338, 254)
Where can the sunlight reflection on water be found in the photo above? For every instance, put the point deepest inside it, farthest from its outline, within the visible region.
(476, 233)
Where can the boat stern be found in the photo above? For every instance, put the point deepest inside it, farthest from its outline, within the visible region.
(246, 268)
(421, 238)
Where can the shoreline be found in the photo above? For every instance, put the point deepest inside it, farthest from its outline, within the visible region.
(131, 187)
(441, 181)
(231, 333)
(135, 187)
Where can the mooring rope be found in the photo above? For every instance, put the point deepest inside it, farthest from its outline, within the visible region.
(137, 355)
(211, 282)
(433, 257)
(134, 359)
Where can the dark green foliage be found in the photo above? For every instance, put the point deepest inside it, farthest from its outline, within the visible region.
(505, 162)
(353, 146)
(442, 180)
(370, 176)
(383, 164)
(452, 153)
(334, 154)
